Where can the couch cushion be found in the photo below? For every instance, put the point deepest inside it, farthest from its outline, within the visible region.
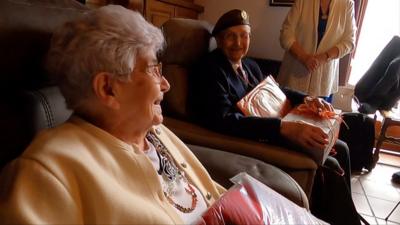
(233, 164)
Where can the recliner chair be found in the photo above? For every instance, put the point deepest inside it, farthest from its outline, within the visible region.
(187, 41)
(33, 103)
(25, 32)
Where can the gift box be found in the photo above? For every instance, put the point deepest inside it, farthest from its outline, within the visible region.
(268, 100)
(251, 202)
(265, 100)
(329, 124)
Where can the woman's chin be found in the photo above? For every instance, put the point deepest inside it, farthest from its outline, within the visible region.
(158, 117)
(158, 120)
(157, 114)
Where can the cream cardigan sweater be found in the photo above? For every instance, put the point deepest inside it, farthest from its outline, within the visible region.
(79, 174)
(301, 24)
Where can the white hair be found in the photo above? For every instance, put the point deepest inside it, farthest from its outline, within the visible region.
(106, 39)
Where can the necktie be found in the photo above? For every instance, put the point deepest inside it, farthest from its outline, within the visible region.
(242, 75)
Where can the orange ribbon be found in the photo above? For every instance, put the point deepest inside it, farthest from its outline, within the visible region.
(307, 109)
(315, 112)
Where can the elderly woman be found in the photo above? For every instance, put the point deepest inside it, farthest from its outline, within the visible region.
(112, 162)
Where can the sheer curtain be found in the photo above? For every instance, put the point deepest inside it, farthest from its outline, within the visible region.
(345, 63)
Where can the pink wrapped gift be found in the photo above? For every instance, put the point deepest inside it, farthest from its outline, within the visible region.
(265, 100)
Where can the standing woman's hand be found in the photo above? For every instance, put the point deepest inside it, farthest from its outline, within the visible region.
(311, 63)
(322, 58)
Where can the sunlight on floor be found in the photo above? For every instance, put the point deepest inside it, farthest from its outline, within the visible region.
(375, 195)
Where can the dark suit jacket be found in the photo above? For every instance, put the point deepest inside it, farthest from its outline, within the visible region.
(215, 89)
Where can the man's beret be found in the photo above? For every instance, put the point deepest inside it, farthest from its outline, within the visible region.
(231, 18)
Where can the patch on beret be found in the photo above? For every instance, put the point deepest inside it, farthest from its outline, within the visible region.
(231, 18)
(244, 15)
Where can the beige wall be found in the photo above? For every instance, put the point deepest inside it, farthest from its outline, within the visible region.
(265, 20)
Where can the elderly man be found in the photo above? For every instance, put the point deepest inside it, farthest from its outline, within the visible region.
(226, 75)
(229, 76)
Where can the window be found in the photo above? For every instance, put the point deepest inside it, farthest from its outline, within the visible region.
(381, 23)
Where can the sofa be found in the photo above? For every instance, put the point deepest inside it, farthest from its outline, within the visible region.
(187, 41)
(32, 102)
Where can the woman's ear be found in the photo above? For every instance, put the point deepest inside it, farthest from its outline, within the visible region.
(103, 88)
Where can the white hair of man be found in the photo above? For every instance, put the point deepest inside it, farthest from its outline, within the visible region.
(107, 39)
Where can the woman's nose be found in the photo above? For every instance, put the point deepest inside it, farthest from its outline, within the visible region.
(164, 84)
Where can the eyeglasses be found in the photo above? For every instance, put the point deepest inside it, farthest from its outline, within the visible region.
(154, 70)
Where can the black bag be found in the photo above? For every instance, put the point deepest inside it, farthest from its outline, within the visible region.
(360, 137)
(331, 198)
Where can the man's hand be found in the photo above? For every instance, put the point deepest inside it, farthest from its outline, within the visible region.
(318, 104)
(304, 134)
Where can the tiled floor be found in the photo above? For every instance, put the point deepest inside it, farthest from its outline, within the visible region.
(375, 195)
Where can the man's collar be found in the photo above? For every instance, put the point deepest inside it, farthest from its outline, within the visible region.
(236, 65)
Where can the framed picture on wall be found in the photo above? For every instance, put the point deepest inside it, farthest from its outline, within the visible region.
(281, 2)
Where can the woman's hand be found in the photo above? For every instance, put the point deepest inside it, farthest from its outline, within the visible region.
(322, 58)
(318, 104)
(304, 134)
(311, 63)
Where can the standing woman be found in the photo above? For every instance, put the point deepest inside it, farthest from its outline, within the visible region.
(315, 35)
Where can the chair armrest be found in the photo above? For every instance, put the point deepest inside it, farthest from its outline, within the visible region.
(234, 164)
(284, 158)
(298, 165)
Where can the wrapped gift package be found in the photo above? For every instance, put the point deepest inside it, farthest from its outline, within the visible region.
(330, 126)
(251, 202)
(266, 99)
